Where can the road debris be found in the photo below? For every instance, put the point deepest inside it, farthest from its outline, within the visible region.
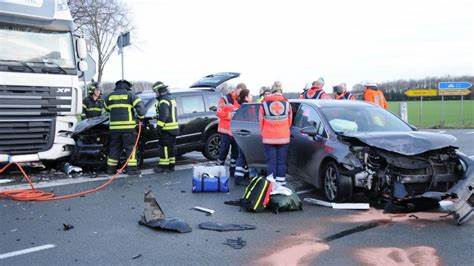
(154, 217)
(72, 170)
(136, 256)
(5, 181)
(238, 243)
(67, 227)
(226, 227)
(205, 210)
(339, 206)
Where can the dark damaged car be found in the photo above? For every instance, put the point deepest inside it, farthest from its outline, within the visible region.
(197, 122)
(343, 147)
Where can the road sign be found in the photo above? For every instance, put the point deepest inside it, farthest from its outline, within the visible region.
(455, 92)
(421, 92)
(123, 40)
(458, 85)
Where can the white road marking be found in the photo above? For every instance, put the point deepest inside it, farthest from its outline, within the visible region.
(441, 131)
(470, 133)
(25, 251)
(79, 180)
(305, 191)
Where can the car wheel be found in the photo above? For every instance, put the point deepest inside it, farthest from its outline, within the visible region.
(337, 188)
(211, 147)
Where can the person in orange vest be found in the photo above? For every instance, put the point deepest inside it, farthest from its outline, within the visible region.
(316, 91)
(341, 92)
(372, 94)
(225, 110)
(275, 121)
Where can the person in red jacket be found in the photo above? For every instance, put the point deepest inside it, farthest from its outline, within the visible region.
(225, 110)
(341, 93)
(316, 91)
(275, 121)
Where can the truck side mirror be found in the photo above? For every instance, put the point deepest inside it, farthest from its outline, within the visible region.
(81, 48)
(82, 66)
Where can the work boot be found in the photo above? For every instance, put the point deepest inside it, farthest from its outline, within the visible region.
(171, 168)
(160, 170)
(133, 171)
(110, 170)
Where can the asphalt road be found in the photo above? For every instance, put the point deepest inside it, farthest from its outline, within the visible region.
(106, 230)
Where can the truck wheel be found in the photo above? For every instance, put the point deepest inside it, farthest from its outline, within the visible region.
(337, 188)
(211, 147)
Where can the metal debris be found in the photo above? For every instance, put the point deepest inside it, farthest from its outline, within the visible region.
(340, 206)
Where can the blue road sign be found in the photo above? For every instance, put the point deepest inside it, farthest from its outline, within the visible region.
(459, 85)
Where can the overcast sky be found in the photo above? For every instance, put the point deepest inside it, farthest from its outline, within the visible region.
(179, 41)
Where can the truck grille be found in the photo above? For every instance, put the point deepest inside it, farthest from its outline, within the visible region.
(23, 136)
(34, 101)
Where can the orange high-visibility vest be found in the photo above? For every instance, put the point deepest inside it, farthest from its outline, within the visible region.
(376, 97)
(315, 93)
(275, 120)
(226, 106)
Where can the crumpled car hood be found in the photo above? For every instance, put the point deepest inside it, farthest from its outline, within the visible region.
(90, 123)
(405, 143)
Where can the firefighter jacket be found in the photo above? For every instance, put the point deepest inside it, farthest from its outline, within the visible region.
(124, 108)
(376, 97)
(167, 115)
(275, 117)
(315, 93)
(345, 96)
(91, 107)
(226, 107)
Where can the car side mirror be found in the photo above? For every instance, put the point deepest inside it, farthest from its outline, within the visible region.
(213, 108)
(310, 131)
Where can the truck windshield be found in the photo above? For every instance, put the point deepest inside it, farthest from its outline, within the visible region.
(28, 45)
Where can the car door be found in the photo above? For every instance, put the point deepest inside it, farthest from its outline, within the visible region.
(214, 80)
(306, 152)
(246, 131)
(192, 117)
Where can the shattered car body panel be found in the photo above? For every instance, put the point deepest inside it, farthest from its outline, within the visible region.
(372, 151)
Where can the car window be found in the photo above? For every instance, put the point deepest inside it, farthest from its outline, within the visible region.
(247, 112)
(151, 111)
(192, 104)
(307, 117)
(213, 99)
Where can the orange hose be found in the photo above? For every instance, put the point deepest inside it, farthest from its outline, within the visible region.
(39, 195)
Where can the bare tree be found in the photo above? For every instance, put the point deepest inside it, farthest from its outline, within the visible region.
(101, 21)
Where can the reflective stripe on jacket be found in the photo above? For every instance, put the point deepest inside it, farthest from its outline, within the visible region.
(225, 109)
(124, 108)
(167, 112)
(91, 107)
(275, 120)
(315, 93)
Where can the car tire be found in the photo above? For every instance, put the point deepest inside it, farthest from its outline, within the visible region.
(211, 146)
(337, 188)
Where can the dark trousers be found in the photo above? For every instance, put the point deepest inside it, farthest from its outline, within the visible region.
(227, 142)
(167, 150)
(241, 168)
(118, 142)
(275, 156)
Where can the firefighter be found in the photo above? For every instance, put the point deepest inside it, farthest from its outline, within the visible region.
(92, 105)
(226, 107)
(275, 121)
(373, 95)
(264, 91)
(124, 108)
(316, 91)
(342, 93)
(167, 128)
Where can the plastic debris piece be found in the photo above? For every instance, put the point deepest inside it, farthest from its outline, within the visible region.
(67, 227)
(136, 256)
(238, 243)
(340, 206)
(226, 227)
(202, 209)
(154, 217)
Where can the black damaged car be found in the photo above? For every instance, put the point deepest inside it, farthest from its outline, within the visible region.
(343, 147)
(196, 117)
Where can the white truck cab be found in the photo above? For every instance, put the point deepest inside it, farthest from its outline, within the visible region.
(40, 95)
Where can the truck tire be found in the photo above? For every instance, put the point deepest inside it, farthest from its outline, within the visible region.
(337, 188)
(211, 146)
